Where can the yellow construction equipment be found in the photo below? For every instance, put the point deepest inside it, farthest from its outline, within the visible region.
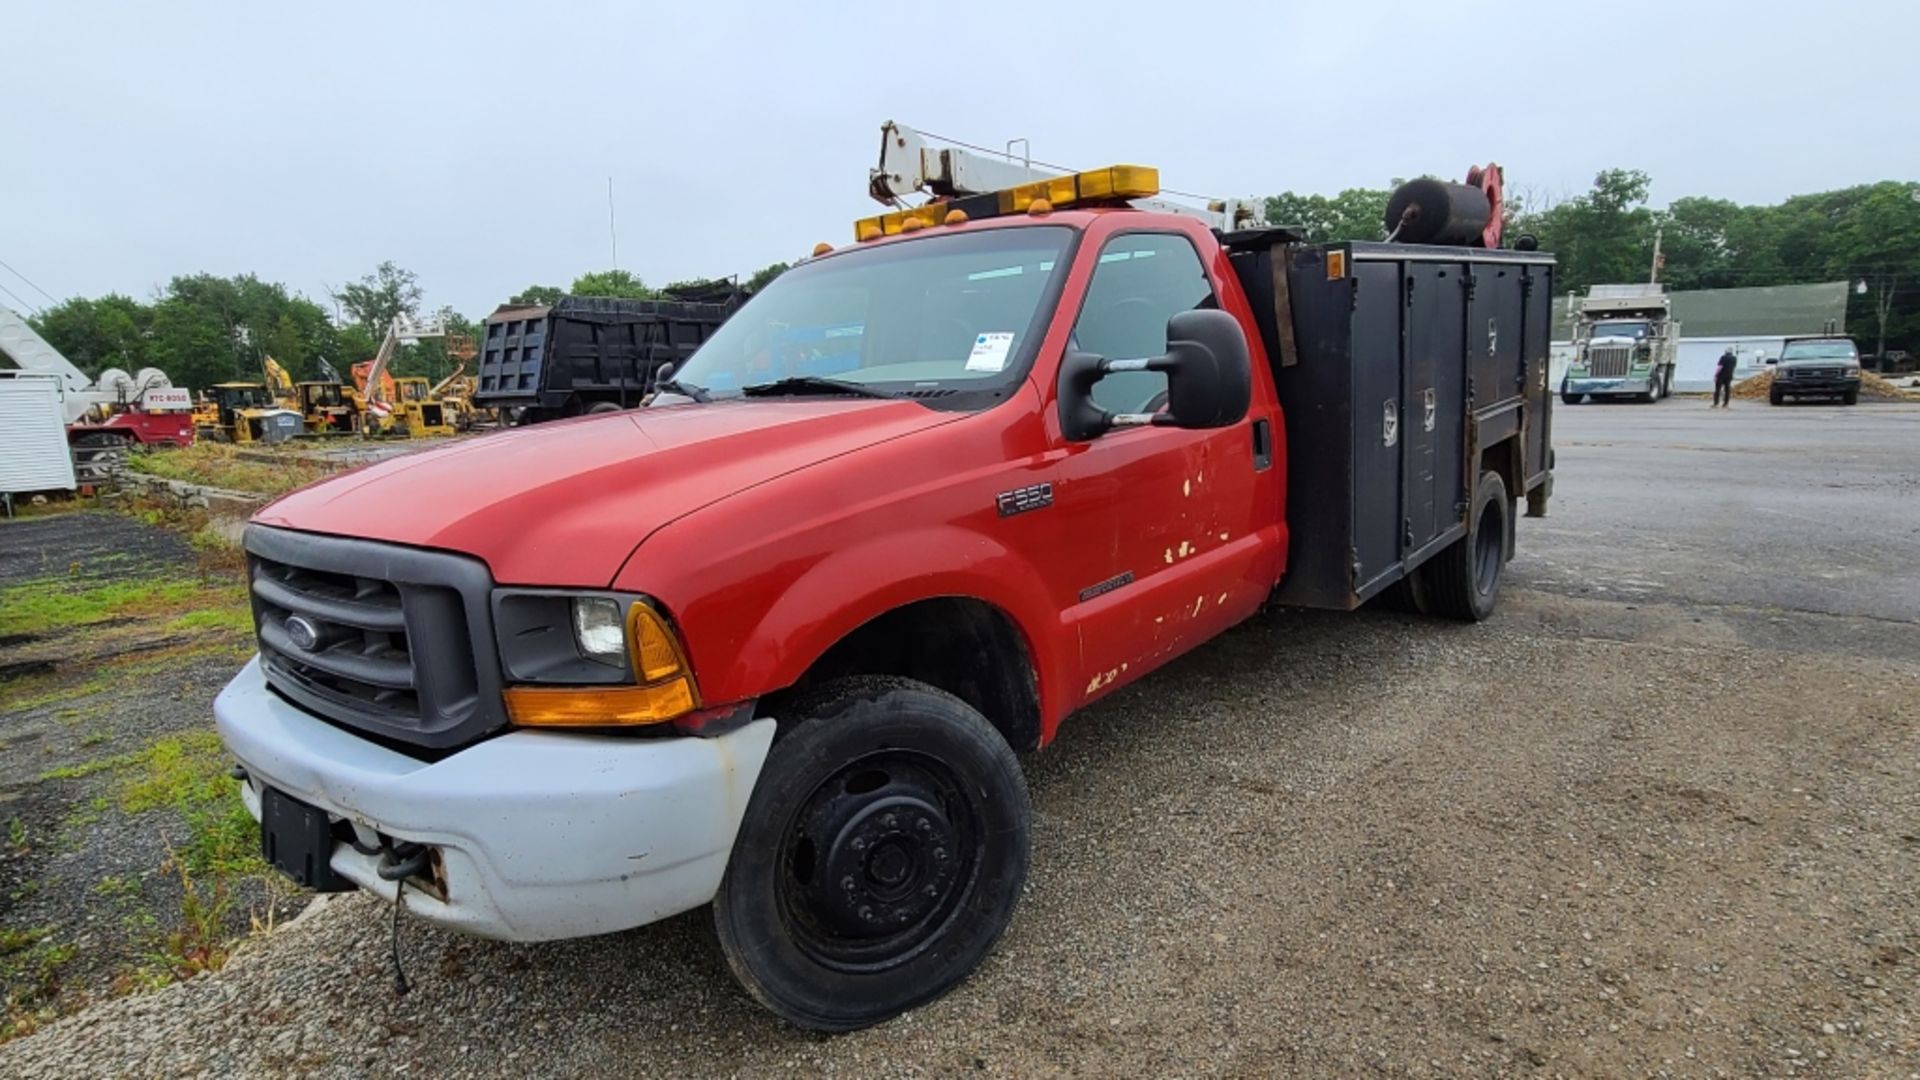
(246, 413)
(418, 410)
(329, 408)
(280, 384)
(400, 406)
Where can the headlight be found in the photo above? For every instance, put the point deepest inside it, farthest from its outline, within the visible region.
(590, 660)
(599, 631)
(1852, 373)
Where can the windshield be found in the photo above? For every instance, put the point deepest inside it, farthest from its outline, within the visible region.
(954, 312)
(1635, 330)
(1819, 350)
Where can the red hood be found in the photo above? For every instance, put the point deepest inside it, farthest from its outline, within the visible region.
(565, 504)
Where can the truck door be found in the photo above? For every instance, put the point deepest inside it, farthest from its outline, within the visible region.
(1164, 517)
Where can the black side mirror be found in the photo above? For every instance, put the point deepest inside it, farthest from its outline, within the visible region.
(1209, 371)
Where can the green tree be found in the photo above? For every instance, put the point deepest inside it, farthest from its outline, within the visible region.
(377, 299)
(619, 283)
(538, 294)
(764, 276)
(113, 331)
(1602, 236)
(1354, 214)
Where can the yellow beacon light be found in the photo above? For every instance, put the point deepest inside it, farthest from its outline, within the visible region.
(1113, 184)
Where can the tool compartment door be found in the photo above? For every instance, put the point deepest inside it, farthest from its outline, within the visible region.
(1535, 337)
(1436, 393)
(1379, 421)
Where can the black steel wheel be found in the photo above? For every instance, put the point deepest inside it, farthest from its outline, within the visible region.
(881, 855)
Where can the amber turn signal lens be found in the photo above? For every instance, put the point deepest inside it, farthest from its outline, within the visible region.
(655, 651)
(608, 706)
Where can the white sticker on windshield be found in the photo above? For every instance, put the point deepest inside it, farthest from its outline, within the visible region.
(990, 352)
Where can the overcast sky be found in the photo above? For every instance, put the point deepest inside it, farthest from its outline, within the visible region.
(472, 143)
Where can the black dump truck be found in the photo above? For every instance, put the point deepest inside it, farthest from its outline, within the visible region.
(593, 354)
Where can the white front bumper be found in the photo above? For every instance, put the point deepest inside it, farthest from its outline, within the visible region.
(541, 835)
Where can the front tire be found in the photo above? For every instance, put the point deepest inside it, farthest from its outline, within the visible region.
(1463, 582)
(1570, 399)
(1851, 397)
(1775, 397)
(881, 855)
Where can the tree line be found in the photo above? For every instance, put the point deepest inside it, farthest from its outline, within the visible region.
(1867, 235)
(203, 329)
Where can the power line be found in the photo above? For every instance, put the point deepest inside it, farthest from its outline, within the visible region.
(17, 300)
(29, 281)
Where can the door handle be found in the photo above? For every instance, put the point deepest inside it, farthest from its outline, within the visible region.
(1262, 445)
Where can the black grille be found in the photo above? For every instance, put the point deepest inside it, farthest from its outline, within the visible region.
(376, 636)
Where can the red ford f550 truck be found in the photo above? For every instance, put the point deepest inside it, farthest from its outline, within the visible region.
(773, 643)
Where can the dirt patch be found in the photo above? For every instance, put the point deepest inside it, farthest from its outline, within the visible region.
(1325, 845)
(124, 859)
(1872, 386)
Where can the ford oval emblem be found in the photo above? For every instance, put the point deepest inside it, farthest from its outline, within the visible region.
(303, 633)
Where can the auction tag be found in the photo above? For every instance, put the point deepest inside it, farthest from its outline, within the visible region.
(990, 352)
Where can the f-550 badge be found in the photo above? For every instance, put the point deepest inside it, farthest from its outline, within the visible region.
(1021, 500)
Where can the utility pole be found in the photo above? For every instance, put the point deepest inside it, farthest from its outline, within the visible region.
(1658, 259)
(612, 236)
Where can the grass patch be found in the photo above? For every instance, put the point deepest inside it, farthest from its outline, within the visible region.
(257, 471)
(55, 688)
(87, 768)
(237, 620)
(187, 774)
(40, 606)
(30, 963)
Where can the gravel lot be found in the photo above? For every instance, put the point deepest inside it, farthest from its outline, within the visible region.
(1658, 820)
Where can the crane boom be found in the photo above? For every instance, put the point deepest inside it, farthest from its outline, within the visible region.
(908, 165)
(403, 328)
(31, 352)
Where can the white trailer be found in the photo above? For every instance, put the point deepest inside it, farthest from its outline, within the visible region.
(33, 436)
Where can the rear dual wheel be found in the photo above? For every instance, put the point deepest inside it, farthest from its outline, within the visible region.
(1463, 582)
(881, 855)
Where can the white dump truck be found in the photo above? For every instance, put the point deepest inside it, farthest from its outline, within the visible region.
(1625, 345)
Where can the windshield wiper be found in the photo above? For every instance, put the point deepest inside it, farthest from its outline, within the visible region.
(675, 386)
(811, 384)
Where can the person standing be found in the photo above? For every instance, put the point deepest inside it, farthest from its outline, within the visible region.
(1723, 379)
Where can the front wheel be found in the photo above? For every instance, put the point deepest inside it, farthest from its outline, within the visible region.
(1569, 399)
(1775, 397)
(1463, 582)
(1851, 397)
(880, 858)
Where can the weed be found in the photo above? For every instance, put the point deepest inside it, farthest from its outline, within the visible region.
(87, 768)
(16, 834)
(95, 738)
(200, 942)
(116, 887)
